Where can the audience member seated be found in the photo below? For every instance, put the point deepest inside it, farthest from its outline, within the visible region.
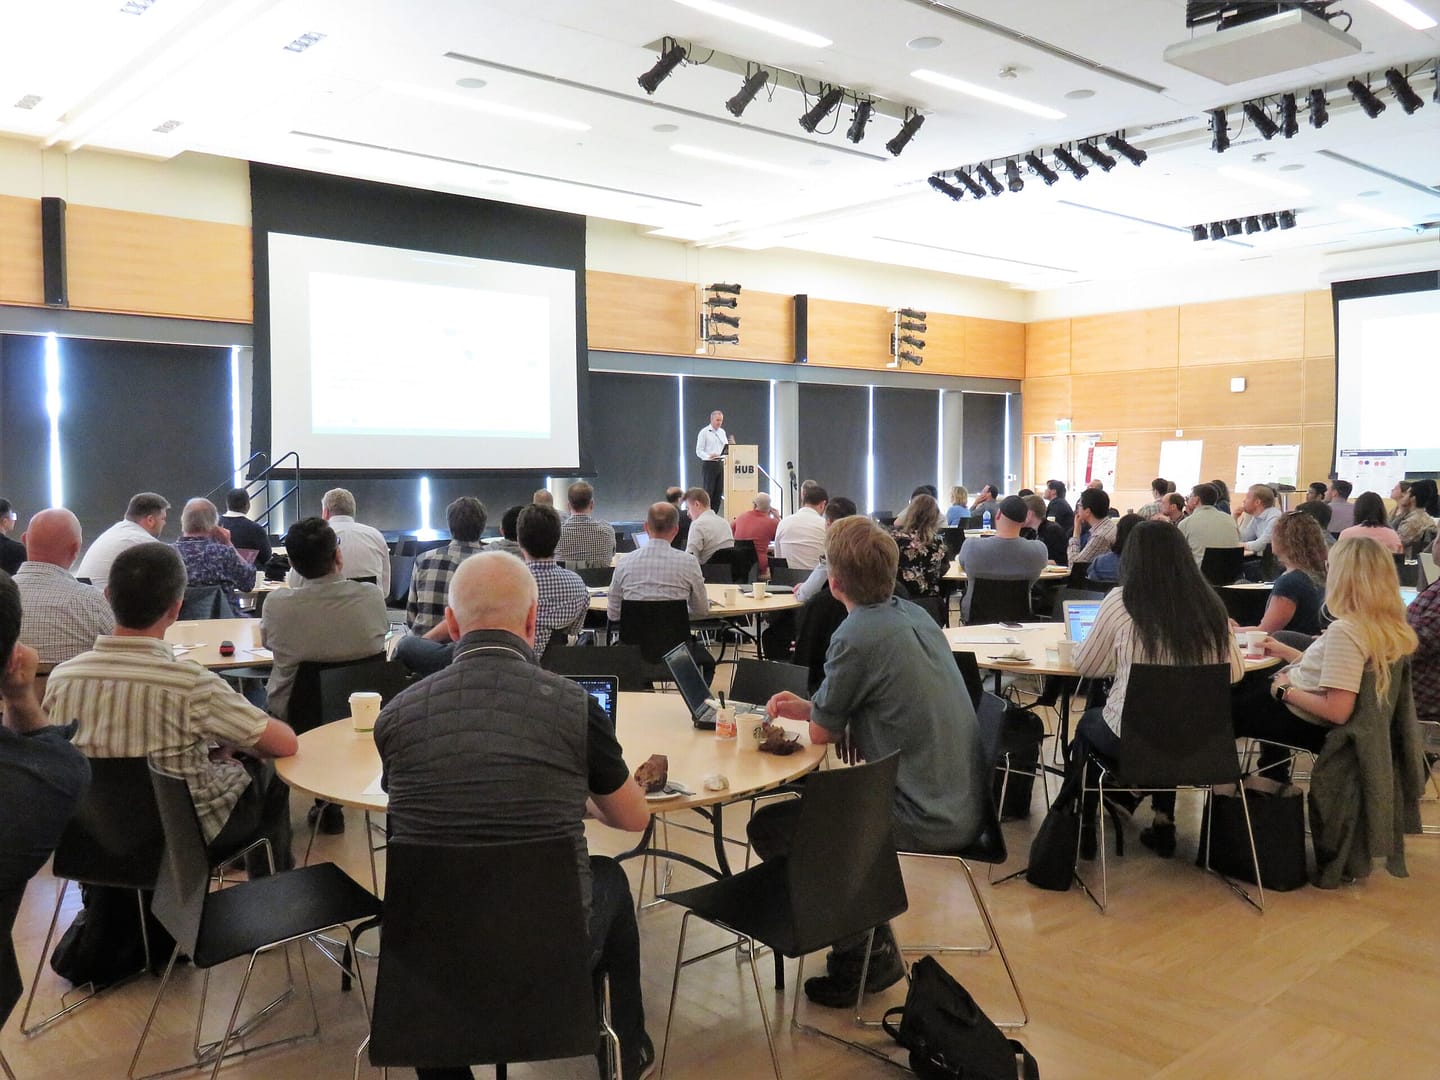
(1423, 615)
(1057, 507)
(923, 560)
(835, 509)
(891, 684)
(1006, 556)
(1398, 496)
(1107, 566)
(1415, 513)
(674, 496)
(586, 541)
(957, 516)
(209, 556)
(1299, 544)
(1259, 504)
(1039, 527)
(430, 580)
(63, 617)
(564, 600)
(1159, 488)
(1320, 511)
(1205, 525)
(144, 521)
(1222, 496)
(987, 500)
(1370, 524)
(1095, 485)
(758, 524)
(800, 538)
(1163, 613)
(1319, 688)
(1172, 509)
(542, 497)
(1094, 530)
(509, 540)
(245, 534)
(495, 749)
(367, 555)
(132, 697)
(1315, 492)
(927, 489)
(709, 532)
(1342, 510)
(12, 552)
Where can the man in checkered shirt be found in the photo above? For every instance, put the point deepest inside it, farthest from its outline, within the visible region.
(586, 541)
(563, 598)
(433, 570)
(62, 617)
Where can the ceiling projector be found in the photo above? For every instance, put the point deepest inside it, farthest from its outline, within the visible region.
(1254, 40)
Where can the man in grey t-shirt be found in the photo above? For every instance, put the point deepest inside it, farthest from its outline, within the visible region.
(1006, 556)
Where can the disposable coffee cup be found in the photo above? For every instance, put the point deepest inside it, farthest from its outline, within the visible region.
(732, 597)
(725, 722)
(1065, 652)
(1255, 644)
(751, 732)
(364, 709)
(757, 590)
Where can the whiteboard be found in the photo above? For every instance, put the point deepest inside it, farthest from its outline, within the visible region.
(1276, 463)
(1180, 462)
(1101, 465)
(1373, 470)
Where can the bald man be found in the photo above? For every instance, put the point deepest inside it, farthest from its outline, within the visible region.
(493, 748)
(63, 617)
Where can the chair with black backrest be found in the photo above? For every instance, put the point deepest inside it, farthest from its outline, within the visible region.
(841, 878)
(1079, 575)
(993, 600)
(886, 518)
(245, 919)
(402, 570)
(1175, 732)
(624, 542)
(718, 573)
(656, 627)
(744, 561)
(787, 575)
(624, 662)
(368, 579)
(934, 606)
(305, 709)
(1222, 565)
(206, 602)
(506, 980)
(757, 681)
(953, 537)
(114, 840)
(1407, 572)
(1270, 567)
(1245, 606)
(597, 577)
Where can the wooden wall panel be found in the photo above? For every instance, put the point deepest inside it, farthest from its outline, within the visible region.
(1222, 446)
(21, 271)
(1132, 399)
(1125, 341)
(1317, 450)
(1234, 331)
(1319, 324)
(944, 344)
(1047, 348)
(994, 349)
(767, 329)
(1042, 402)
(1319, 390)
(849, 335)
(1273, 394)
(1137, 459)
(153, 265)
(642, 315)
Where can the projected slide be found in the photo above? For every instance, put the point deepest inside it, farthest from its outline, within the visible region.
(384, 358)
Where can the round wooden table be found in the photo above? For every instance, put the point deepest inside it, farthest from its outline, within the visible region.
(1050, 573)
(203, 637)
(744, 606)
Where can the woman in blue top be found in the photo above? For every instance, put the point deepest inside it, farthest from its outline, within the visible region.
(959, 513)
(1298, 542)
(1107, 566)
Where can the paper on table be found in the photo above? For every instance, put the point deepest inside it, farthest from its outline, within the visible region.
(263, 654)
(374, 787)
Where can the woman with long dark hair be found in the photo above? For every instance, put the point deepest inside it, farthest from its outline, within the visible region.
(1370, 522)
(1163, 613)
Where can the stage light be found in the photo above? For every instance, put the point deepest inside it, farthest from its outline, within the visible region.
(1097, 156)
(970, 185)
(1233, 227)
(668, 62)
(1285, 219)
(1252, 225)
(725, 320)
(863, 109)
(1071, 163)
(988, 179)
(723, 339)
(909, 358)
(1013, 180)
(754, 83)
(1219, 131)
(907, 131)
(1217, 230)
(913, 342)
(721, 301)
(822, 108)
(911, 313)
(1268, 222)
(1132, 154)
(1256, 112)
(1199, 232)
(1365, 98)
(940, 184)
(1319, 109)
(721, 287)
(913, 327)
(1289, 126)
(1404, 93)
(1040, 169)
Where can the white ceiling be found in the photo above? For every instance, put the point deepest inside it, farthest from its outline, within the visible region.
(354, 104)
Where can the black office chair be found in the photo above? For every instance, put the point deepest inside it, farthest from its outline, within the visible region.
(970, 672)
(206, 602)
(624, 542)
(597, 577)
(1407, 572)
(785, 575)
(402, 571)
(248, 918)
(507, 979)
(656, 627)
(953, 537)
(757, 681)
(993, 600)
(718, 573)
(840, 879)
(744, 562)
(934, 606)
(1176, 732)
(1223, 565)
(306, 710)
(624, 662)
(1065, 593)
(886, 518)
(1245, 606)
(1078, 578)
(368, 579)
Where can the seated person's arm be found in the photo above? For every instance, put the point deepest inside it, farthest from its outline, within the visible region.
(439, 632)
(812, 584)
(23, 713)
(1096, 654)
(1278, 613)
(615, 798)
(624, 808)
(699, 598)
(1332, 705)
(233, 722)
(277, 740)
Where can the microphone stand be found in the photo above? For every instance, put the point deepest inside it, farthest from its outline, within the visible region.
(794, 487)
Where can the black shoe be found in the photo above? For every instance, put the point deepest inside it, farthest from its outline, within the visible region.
(1159, 839)
(332, 818)
(643, 1064)
(838, 992)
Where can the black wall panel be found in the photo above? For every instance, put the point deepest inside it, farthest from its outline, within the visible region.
(834, 430)
(907, 424)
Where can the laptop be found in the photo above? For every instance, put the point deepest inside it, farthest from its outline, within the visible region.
(1079, 618)
(696, 693)
(603, 688)
(1408, 594)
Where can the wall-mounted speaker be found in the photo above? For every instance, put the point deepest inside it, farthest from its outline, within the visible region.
(802, 328)
(52, 250)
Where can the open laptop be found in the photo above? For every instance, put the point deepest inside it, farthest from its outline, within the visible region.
(696, 693)
(603, 688)
(1408, 594)
(1079, 618)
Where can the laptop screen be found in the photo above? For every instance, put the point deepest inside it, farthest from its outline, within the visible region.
(688, 678)
(1079, 618)
(603, 688)
(1408, 594)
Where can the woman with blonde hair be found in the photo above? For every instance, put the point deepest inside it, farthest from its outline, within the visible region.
(923, 561)
(1319, 688)
(959, 512)
(1298, 542)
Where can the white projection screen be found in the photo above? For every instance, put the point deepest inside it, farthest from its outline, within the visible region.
(385, 358)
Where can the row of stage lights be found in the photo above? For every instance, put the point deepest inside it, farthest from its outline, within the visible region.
(1221, 230)
(980, 180)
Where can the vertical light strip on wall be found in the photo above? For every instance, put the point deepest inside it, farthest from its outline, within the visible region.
(1007, 443)
(425, 507)
(940, 483)
(235, 459)
(52, 409)
(680, 425)
(775, 492)
(870, 451)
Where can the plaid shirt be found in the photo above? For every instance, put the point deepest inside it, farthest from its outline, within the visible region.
(1424, 617)
(658, 572)
(430, 584)
(62, 617)
(564, 600)
(586, 542)
(1092, 542)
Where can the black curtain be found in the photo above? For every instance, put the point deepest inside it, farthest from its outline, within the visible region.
(834, 429)
(498, 493)
(982, 443)
(746, 405)
(141, 417)
(907, 427)
(24, 426)
(636, 441)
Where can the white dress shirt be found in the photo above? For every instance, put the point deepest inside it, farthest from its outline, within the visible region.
(710, 441)
(800, 539)
(107, 546)
(362, 550)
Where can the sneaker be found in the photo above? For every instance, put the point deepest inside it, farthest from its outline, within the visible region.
(838, 991)
(644, 1064)
(1159, 839)
(332, 818)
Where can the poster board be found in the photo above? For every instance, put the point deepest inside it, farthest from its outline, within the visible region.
(1372, 470)
(1273, 464)
(1100, 464)
(1180, 462)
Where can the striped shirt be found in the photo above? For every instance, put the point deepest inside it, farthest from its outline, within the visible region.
(62, 617)
(658, 572)
(564, 600)
(430, 585)
(586, 542)
(132, 698)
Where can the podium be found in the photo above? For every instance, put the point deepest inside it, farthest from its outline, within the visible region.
(742, 479)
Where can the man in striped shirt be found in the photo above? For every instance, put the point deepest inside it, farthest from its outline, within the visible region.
(131, 698)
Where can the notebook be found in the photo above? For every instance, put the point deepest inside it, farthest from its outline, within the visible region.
(603, 688)
(1079, 618)
(696, 693)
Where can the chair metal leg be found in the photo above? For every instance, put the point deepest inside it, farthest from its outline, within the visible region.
(765, 1013)
(1257, 904)
(1099, 901)
(607, 1030)
(674, 991)
(5, 1068)
(796, 1025)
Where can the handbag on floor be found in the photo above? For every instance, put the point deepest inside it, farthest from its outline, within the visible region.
(1022, 732)
(1052, 852)
(949, 1036)
(1278, 821)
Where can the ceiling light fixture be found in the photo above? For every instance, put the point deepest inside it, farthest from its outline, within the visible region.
(704, 153)
(490, 108)
(1267, 222)
(1404, 93)
(1219, 131)
(1070, 163)
(1285, 219)
(1217, 230)
(1319, 109)
(975, 189)
(755, 81)
(989, 179)
(1376, 217)
(940, 184)
(1097, 156)
(136, 7)
(1132, 154)
(758, 22)
(669, 60)
(1252, 225)
(1289, 126)
(822, 108)
(1260, 180)
(1233, 227)
(856, 131)
(1040, 169)
(1256, 112)
(984, 93)
(1406, 12)
(1365, 98)
(304, 41)
(1013, 179)
(1199, 232)
(907, 131)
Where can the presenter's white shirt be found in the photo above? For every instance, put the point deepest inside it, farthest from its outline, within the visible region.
(710, 441)
(107, 546)
(363, 551)
(800, 539)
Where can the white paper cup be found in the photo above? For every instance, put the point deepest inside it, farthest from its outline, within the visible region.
(757, 590)
(1255, 644)
(751, 732)
(732, 597)
(1065, 652)
(364, 709)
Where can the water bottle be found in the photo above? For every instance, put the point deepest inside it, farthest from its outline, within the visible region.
(985, 521)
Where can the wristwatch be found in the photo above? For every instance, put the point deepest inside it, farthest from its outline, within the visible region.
(1281, 692)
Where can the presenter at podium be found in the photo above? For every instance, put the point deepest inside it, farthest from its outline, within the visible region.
(710, 449)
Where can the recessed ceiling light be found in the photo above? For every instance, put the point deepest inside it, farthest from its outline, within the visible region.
(926, 42)
(29, 101)
(1406, 12)
(304, 41)
(507, 112)
(1294, 166)
(704, 153)
(167, 127)
(758, 22)
(319, 150)
(136, 7)
(1079, 95)
(820, 163)
(984, 93)
(1378, 217)
(1367, 194)
(1260, 180)
(665, 129)
(471, 83)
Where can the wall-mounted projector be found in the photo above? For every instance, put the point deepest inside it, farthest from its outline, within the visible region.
(1244, 49)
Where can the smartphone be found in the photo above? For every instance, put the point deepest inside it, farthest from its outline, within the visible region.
(227, 648)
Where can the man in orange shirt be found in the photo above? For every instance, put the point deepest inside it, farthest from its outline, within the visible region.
(758, 524)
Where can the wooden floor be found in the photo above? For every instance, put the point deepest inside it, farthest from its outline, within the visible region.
(1180, 979)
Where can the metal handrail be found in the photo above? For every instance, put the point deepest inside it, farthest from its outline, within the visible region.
(261, 481)
(226, 485)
